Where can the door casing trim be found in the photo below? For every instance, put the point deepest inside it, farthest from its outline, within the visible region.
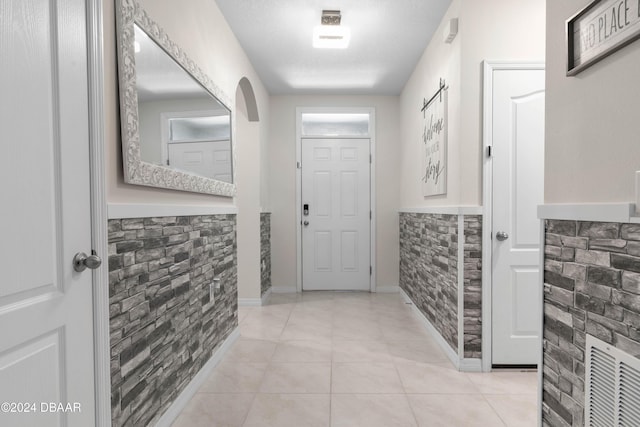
(487, 200)
(489, 67)
(99, 237)
(372, 180)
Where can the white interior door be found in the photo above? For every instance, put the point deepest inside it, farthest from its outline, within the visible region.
(208, 158)
(335, 230)
(518, 188)
(46, 323)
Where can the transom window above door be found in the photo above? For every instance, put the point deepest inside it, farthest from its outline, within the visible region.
(335, 124)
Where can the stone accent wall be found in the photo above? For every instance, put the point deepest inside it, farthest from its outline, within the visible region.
(429, 269)
(473, 286)
(592, 286)
(265, 252)
(164, 326)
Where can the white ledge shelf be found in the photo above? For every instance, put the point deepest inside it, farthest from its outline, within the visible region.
(445, 210)
(601, 212)
(122, 210)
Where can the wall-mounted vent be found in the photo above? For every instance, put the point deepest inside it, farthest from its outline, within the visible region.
(612, 386)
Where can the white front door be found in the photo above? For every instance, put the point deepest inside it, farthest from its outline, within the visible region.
(46, 316)
(518, 188)
(336, 214)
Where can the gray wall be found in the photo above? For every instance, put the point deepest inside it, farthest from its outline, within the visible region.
(164, 326)
(265, 252)
(592, 286)
(472, 286)
(429, 269)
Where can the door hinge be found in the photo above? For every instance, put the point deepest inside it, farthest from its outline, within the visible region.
(489, 151)
(370, 270)
(370, 214)
(298, 165)
(370, 158)
(168, 162)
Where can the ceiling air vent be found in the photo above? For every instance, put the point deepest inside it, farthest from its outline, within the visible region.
(612, 386)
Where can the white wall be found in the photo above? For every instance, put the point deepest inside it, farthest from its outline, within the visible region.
(592, 148)
(248, 175)
(439, 60)
(282, 176)
(200, 29)
(511, 30)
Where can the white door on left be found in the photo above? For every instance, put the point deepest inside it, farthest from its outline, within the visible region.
(46, 320)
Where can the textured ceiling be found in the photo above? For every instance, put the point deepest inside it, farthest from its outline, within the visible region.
(387, 39)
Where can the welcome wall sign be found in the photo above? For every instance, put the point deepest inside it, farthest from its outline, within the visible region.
(434, 144)
(600, 29)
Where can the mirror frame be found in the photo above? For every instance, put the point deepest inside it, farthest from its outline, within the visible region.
(136, 170)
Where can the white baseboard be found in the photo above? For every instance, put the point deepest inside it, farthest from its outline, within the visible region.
(393, 289)
(192, 388)
(266, 296)
(451, 354)
(470, 365)
(255, 302)
(284, 289)
(250, 302)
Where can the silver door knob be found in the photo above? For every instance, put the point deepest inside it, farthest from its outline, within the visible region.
(502, 236)
(306, 223)
(83, 261)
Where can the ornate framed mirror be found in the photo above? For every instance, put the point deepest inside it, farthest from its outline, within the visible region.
(177, 125)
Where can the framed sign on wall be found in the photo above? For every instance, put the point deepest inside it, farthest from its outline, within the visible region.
(600, 29)
(434, 144)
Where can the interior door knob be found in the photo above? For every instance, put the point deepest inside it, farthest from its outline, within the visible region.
(83, 261)
(306, 223)
(502, 236)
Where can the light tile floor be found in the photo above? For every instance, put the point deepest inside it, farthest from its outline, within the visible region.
(350, 359)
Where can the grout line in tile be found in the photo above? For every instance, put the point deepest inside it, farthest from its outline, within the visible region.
(322, 310)
(494, 409)
(413, 411)
(331, 387)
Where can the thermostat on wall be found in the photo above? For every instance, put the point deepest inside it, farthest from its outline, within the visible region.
(450, 30)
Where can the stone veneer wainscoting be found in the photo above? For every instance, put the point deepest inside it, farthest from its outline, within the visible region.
(265, 252)
(472, 279)
(592, 286)
(164, 327)
(430, 271)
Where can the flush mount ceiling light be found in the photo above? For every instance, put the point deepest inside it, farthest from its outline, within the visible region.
(330, 34)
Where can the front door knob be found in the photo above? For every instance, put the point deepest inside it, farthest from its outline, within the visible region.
(83, 261)
(502, 236)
